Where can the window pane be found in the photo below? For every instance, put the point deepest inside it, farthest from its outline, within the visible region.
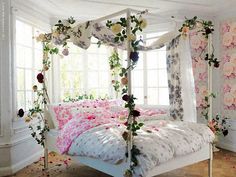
(20, 58)
(137, 78)
(162, 79)
(20, 100)
(38, 59)
(138, 93)
(28, 79)
(28, 57)
(163, 96)
(92, 79)
(103, 79)
(161, 57)
(152, 60)
(152, 79)
(28, 99)
(93, 61)
(152, 96)
(20, 79)
(24, 34)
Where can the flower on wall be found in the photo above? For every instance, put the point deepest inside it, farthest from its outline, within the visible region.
(201, 93)
(197, 41)
(199, 69)
(228, 31)
(229, 97)
(229, 66)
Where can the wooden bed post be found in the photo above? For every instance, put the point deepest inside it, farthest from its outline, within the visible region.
(44, 116)
(210, 161)
(130, 139)
(210, 78)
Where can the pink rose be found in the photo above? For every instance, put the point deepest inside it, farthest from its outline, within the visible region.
(226, 58)
(227, 39)
(226, 88)
(203, 91)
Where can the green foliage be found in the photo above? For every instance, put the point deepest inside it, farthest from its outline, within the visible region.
(206, 28)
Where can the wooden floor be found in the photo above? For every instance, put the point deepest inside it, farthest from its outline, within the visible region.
(224, 165)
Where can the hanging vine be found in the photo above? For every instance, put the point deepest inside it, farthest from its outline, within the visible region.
(204, 27)
(119, 28)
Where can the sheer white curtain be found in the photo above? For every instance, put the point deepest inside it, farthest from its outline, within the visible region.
(187, 81)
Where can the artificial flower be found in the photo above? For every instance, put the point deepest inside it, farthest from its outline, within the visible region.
(45, 68)
(35, 88)
(55, 34)
(41, 37)
(126, 97)
(135, 113)
(134, 56)
(65, 52)
(228, 99)
(143, 23)
(227, 39)
(116, 28)
(124, 80)
(131, 37)
(113, 81)
(21, 112)
(185, 30)
(27, 119)
(228, 69)
(128, 173)
(40, 78)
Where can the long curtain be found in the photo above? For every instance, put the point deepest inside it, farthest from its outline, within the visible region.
(180, 80)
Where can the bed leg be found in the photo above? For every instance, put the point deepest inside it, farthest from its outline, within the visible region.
(210, 162)
(45, 159)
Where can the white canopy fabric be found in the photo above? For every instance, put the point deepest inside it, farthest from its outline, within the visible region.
(81, 35)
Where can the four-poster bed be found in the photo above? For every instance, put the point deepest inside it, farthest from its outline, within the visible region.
(118, 169)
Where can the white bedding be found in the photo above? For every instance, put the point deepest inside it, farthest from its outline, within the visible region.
(159, 141)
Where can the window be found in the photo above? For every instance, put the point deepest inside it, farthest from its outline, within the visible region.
(149, 78)
(28, 62)
(85, 71)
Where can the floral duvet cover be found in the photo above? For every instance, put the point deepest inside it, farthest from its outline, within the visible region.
(158, 140)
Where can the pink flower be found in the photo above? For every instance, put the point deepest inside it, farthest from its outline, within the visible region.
(226, 58)
(203, 91)
(227, 39)
(228, 69)
(233, 28)
(225, 28)
(65, 52)
(226, 88)
(228, 99)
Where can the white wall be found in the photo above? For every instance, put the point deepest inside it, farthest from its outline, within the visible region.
(17, 147)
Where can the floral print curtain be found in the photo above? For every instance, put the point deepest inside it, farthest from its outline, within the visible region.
(180, 80)
(173, 72)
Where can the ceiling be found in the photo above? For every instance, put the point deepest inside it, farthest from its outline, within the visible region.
(84, 10)
(90, 9)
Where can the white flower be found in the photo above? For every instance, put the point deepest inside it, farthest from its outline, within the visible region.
(116, 28)
(227, 39)
(143, 23)
(40, 38)
(131, 37)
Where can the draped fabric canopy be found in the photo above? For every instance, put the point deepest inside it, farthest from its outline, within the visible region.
(179, 64)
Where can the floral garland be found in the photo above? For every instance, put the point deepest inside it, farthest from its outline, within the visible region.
(119, 28)
(206, 28)
(115, 67)
(218, 124)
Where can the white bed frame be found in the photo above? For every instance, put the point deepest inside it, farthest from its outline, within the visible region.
(204, 153)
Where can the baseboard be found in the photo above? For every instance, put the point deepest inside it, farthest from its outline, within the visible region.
(5, 171)
(227, 146)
